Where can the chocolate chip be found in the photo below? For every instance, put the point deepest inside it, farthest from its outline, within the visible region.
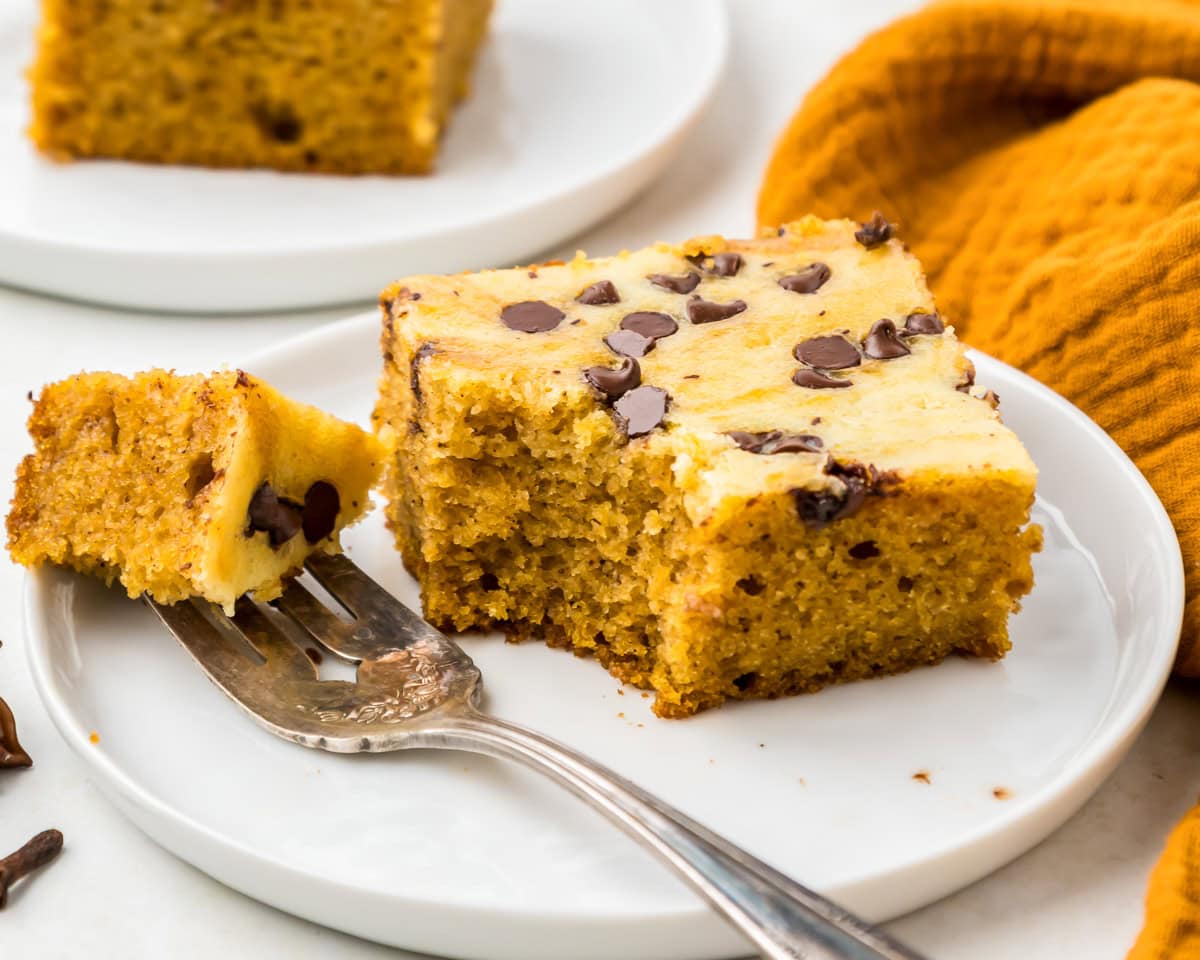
(968, 380)
(531, 316)
(882, 343)
(726, 264)
(865, 550)
(815, 380)
(280, 519)
(414, 368)
(752, 586)
(641, 410)
(819, 508)
(12, 754)
(875, 231)
(629, 343)
(321, 507)
(706, 311)
(599, 293)
(828, 353)
(809, 280)
(919, 323)
(775, 441)
(650, 324)
(615, 383)
(685, 283)
(904, 584)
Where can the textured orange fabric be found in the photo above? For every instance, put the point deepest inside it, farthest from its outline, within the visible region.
(1042, 158)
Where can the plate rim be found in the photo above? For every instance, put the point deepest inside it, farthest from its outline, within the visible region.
(1041, 812)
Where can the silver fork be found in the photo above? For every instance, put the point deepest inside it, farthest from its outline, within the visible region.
(417, 688)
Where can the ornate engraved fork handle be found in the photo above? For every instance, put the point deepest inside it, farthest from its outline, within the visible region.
(783, 919)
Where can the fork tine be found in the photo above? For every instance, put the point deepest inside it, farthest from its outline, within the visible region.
(315, 619)
(267, 638)
(220, 658)
(382, 623)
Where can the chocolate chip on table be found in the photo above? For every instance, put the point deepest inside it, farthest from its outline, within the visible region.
(629, 343)
(875, 231)
(828, 353)
(36, 853)
(816, 380)
(706, 311)
(615, 383)
(321, 507)
(883, 343)
(641, 410)
(12, 754)
(776, 441)
(650, 324)
(918, 323)
(280, 519)
(809, 280)
(531, 316)
(598, 294)
(684, 283)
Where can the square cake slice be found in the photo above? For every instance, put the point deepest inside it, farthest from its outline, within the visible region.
(728, 469)
(340, 86)
(180, 486)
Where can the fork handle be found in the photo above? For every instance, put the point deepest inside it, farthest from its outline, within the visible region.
(783, 919)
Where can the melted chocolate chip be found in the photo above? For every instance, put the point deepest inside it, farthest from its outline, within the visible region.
(775, 441)
(321, 507)
(882, 343)
(816, 380)
(875, 231)
(650, 324)
(629, 343)
(919, 323)
(726, 264)
(809, 280)
(280, 519)
(414, 368)
(684, 283)
(705, 311)
(828, 353)
(641, 410)
(615, 383)
(12, 754)
(599, 293)
(865, 550)
(819, 508)
(531, 316)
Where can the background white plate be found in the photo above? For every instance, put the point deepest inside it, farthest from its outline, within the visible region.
(467, 857)
(576, 106)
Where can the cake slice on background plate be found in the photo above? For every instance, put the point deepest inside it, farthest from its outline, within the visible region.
(728, 469)
(342, 86)
(180, 486)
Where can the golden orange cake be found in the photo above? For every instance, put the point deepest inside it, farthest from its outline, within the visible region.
(180, 486)
(340, 86)
(728, 469)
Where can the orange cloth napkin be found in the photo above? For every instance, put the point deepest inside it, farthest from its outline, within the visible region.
(1043, 161)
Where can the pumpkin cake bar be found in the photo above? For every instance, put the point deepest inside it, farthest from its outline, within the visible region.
(180, 486)
(728, 469)
(341, 86)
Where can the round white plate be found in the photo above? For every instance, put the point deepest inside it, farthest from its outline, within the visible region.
(576, 106)
(461, 856)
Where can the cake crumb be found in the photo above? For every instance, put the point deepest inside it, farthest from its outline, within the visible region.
(621, 716)
(922, 776)
(800, 780)
(94, 737)
(620, 692)
(1001, 793)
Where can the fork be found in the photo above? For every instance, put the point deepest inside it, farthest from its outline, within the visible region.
(417, 688)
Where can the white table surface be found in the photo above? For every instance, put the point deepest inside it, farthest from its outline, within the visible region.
(115, 894)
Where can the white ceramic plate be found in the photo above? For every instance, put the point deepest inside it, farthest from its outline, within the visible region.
(466, 857)
(576, 106)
